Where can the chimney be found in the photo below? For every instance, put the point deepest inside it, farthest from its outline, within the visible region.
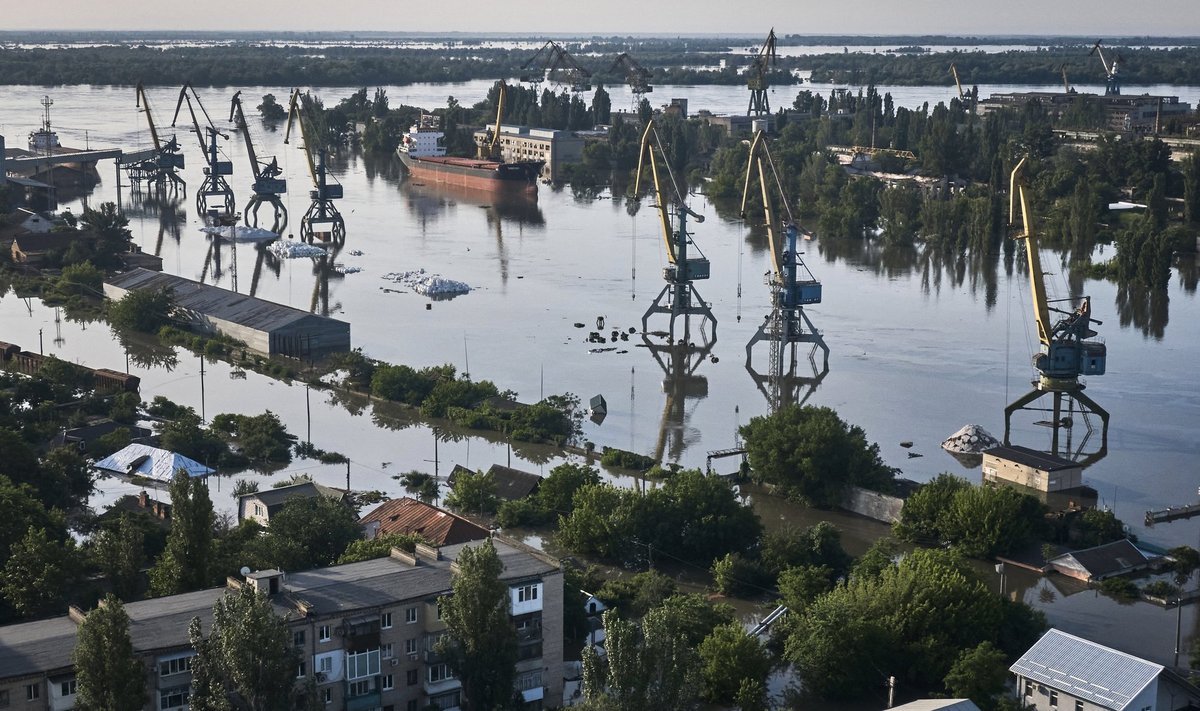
(143, 498)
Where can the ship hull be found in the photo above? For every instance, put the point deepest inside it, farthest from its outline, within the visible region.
(477, 175)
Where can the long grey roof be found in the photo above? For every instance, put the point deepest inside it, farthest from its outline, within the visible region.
(281, 495)
(217, 302)
(1086, 670)
(1031, 457)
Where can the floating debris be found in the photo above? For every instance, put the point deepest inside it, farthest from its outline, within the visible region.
(291, 249)
(971, 439)
(427, 284)
(241, 233)
(602, 350)
(906, 443)
(346, 269)
(355, 253)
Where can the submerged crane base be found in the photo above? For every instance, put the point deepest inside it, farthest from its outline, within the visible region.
(323, 215)
(772, 330)
(280, 214)
(1076, 402)
(684, 302)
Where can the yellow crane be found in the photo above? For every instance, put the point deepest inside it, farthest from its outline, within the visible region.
(489, 147)
(957, 83)
(757, 81)
(268, 185)
(792, 284)
(1067, 350)
(322, 217)
(679, 297)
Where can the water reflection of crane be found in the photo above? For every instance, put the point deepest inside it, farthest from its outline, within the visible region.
(1066, 351)
(681, 297)
(679, 363)
(792, 288)
(168, 210)
(214, 193)
(158, 171)
(268, 183)
(322, 217)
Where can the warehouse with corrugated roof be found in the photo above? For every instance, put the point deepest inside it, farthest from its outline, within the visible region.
(264, 326)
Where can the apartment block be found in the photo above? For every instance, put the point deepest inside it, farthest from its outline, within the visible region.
(367, 635)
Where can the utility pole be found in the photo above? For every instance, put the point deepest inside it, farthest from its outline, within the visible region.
(347, 476)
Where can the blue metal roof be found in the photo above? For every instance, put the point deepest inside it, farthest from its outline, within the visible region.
(1086, 670)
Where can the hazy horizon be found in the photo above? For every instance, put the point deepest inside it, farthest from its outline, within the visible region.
(1031, 18)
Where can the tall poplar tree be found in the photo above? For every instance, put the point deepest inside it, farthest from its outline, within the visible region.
(185, 564)
(109, 676)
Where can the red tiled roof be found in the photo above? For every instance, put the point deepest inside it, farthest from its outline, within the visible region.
(408, 515)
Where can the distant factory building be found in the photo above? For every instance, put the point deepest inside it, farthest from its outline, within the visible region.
(264, 326)
(1126, 113)
(520, 143)
(1031, 468)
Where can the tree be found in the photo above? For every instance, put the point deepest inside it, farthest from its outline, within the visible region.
(979, 674)
(108, 674)
(145, 310)
(66, 472)
(656, 669)
(309, 533)
(482, 643)
(186, 564)
(474, 492)
(22, 511)
(112, 227)
(982, 521)
(368, 549)
(601, 105)
(271, 110)
(729, 657)
(812, 455)
(39, 572)
(119, 551)
(247, 661)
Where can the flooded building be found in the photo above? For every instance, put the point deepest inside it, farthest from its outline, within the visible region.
(1124, 113)
(524, 143)
(264, 326)
(1031, 468)
(409, 516)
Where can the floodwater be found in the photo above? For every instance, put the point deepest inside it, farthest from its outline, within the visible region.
(921, 345)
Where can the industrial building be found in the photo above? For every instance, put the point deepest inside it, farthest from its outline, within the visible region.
(264, 326)
(1031, 468)
(1125, 113)
(366, 633)
(524, 143)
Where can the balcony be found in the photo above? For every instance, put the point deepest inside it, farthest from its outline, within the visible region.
(433, 688)
(364, 702)
(529, 635)
(432, 657)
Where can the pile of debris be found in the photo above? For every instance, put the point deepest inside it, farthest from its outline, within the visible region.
(427, 284)
(241, 233)
(971, 439)
(291, 249)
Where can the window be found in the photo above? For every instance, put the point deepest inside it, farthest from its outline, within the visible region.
(1053, 699)
(1078, 705)
(169, 667)
(301, 669)
(411, 677)
(1029, 687)
(448, 700)
(410, 646)
(33, 692)
(385, 651)
(173, 698)
(258, 510)
(412, 705)
(324, 633)
(385, 620)
(361, 687)
(67, 688)
(387, 682)
(410, 615)
(439, 672)
(362, 664)
(328, 696)
(529, 680)
(298, 638)
(325, 665)
(527, 593)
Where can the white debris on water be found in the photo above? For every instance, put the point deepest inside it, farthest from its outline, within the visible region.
(356, 253)
(971, 439)
(427, 284)
(241, 233)
(291, 249)
(346, 269)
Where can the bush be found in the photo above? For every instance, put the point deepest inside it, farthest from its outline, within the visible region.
(1120, 589)
(1160, 589)
(143, 310)
(613, 457)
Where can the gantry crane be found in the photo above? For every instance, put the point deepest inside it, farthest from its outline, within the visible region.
(489, 146)
(322, 216)
(636, 76)
(792, 284)
(215, 190)
(1066, 351)
(681, 296)
(158, 171)
(268, 185)
(757, 77)
(554, 62)
(1112, 83)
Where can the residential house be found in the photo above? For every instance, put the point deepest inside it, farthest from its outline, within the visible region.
(31, 248)
(151, 463)
(409, 516)
(367, 633)
(82, 437)
(1062, 672)
(143, 503)
(938, 705)
(1092, 565)
(262, 505)
(514, 484)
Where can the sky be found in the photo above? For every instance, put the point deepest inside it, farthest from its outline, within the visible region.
(663, 17)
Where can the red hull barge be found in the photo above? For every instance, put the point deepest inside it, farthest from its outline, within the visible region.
(474, 173)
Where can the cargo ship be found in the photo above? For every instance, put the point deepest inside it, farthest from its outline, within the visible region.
(423, 153)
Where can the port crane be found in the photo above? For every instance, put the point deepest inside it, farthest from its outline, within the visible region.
(1066, 84)
(159, 170)
(1112, 83)
(957, 83)
(553, 61)
(268, 181)
(760, 105)
(489, 147)
(636, 76)
(792, 284)
(214, 194)
(679, 297)
(322, 216)
(1067, 349)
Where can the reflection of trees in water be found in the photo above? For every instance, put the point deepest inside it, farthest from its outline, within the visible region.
(1189, 270)
(1145, 309)
(385, 166)
(147, 351)
(353, 403)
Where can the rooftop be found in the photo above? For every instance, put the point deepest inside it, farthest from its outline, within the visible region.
(1031, 458)
(1086, 670)
(513, 484)
(1106, 560)
(407, 515)
(216, 302)
(151, 462)
(272, 498)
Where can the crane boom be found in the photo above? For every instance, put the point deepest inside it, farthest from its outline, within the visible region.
(957, 83)
(186, 94)
(1066, 84)
(1041, 309)
(239, 118)
(144, 103)
(757, 80)
(650, 141)
(296, 116)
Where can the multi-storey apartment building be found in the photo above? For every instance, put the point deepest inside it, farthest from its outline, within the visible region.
(367, 635)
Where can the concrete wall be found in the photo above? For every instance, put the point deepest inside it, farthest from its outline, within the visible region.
(1000, 469)
(872, 504)
(552, 639)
